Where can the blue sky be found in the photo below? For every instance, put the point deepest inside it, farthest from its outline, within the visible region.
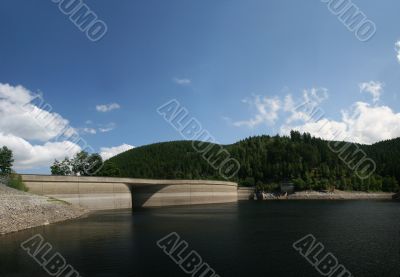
(215, 57)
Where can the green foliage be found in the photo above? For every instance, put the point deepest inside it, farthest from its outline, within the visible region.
(248, 182)
(16, 182)
(169, 160)
(8, 177)
(93, 165)
(61, 168)
(79, 163)
(299, 184)
(306, 161)
(109, 170)
(390, 184)
(83, 164)
(6, 161)
(272, 187)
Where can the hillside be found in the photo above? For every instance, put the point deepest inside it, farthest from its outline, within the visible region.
(167, 160)
(265, 161)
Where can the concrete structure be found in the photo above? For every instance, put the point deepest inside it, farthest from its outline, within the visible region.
(246, 193)
(103, 193)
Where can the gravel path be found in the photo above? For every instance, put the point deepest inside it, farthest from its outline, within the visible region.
(21, 210)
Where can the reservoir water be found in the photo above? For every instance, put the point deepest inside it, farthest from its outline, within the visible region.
(239, 239)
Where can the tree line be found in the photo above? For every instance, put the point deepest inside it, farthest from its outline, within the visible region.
(266, 161)
(84, 164)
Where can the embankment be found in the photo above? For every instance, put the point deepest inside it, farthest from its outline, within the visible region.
(21, 210)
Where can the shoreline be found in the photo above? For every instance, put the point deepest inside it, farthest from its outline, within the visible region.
(22, 210)
(336, 195)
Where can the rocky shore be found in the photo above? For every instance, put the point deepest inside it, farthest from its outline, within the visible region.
(336, 195)
(20, 210)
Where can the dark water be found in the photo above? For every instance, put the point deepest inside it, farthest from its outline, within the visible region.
(244, 239)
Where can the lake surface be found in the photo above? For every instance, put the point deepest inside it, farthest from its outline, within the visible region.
(239, 239)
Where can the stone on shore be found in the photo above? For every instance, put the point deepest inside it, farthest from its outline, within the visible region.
(21, 210)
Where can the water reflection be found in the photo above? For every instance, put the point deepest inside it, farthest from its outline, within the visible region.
(238, 239)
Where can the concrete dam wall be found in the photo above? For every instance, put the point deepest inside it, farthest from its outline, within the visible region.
(246, 193)
(104, 193)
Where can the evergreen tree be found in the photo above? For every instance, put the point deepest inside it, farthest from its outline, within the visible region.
(6, 161)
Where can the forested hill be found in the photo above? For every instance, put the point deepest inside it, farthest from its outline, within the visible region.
(266, 161)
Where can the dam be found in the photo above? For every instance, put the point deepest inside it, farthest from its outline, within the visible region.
(109, 193)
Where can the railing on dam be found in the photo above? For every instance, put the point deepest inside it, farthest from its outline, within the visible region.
(102, 193)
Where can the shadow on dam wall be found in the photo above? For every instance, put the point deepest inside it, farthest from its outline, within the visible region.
(105, 193)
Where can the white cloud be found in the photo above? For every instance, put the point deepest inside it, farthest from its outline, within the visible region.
(29, 156)
(315, 95)
(24, 114)
(289, 104)
(268, 108)
(326, 129)
(362, 123)
(397, 48)
(109, 152)
(107, 107)
(91, 131)
(107, 128)
(28, 126)
(266, 111)
(307, 108)
(372, 87)
(183, 81)
(17, 95)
